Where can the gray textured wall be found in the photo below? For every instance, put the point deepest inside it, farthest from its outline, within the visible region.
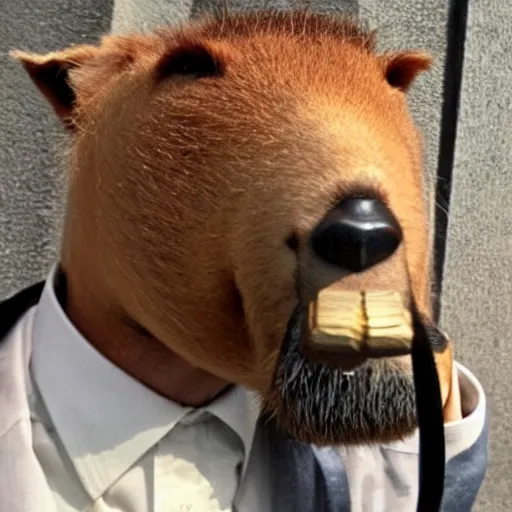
(477, 297)
(477, 300)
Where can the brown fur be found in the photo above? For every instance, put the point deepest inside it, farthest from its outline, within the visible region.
(184, 190)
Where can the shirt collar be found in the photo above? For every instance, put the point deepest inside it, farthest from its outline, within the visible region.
(106, 419)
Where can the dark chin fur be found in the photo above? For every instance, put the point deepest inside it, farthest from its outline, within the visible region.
(317, 404)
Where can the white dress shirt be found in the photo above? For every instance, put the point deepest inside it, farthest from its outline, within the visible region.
(105, 442)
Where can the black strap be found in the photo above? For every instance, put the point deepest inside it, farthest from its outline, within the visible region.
(429, 411)
(13, 308)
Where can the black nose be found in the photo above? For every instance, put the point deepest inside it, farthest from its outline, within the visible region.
(357, 234)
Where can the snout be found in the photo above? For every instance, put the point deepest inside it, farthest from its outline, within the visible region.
(346, 249)
(356, 235)
(357, 245)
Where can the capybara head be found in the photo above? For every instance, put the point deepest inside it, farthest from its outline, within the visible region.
(203, 158)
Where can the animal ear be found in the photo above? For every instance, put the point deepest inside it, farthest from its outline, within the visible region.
(71, 76)
(191, 59)
(50, 73)
(402, 68)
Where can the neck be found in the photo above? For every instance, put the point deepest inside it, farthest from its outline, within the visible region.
(131, 348)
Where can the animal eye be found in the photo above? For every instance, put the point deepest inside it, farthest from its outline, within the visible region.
(193, 60)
